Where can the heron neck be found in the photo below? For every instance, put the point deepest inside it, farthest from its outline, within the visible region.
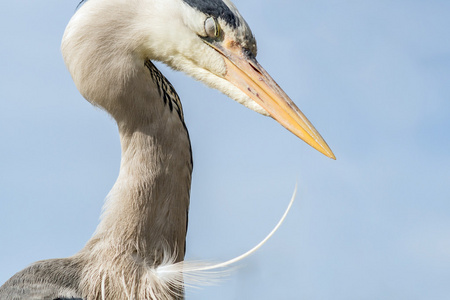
(146, 211)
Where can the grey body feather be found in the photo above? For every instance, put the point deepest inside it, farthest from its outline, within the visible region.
(45, 280)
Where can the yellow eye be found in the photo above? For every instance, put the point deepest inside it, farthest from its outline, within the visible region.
(212, 28)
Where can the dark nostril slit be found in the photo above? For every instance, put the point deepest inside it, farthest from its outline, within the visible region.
(256, 69)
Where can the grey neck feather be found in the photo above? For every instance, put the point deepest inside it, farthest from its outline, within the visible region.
(145, 215)
(147, 208)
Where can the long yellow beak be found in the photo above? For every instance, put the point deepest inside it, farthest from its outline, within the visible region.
(247, 74)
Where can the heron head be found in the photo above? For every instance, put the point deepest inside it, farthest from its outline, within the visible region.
(206, 39)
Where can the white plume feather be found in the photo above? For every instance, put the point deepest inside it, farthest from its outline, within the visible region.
(175, 276)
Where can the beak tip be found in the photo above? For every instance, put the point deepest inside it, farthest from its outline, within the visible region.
(322, 147)
(327, 152)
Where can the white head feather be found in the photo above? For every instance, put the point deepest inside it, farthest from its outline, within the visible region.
(117, 37)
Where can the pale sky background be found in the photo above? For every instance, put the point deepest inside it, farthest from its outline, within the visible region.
(372, 76)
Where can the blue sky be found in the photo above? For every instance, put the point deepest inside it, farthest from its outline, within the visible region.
(372, 76)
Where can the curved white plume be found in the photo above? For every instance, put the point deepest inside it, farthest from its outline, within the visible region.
(173, 277)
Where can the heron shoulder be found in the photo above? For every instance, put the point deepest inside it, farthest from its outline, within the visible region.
(47, 279)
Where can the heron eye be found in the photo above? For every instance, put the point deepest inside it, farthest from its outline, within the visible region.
(212, 27)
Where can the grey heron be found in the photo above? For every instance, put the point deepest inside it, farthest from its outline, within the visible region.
(108, 47)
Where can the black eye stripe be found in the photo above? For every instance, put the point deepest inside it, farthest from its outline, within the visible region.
(215, 8)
